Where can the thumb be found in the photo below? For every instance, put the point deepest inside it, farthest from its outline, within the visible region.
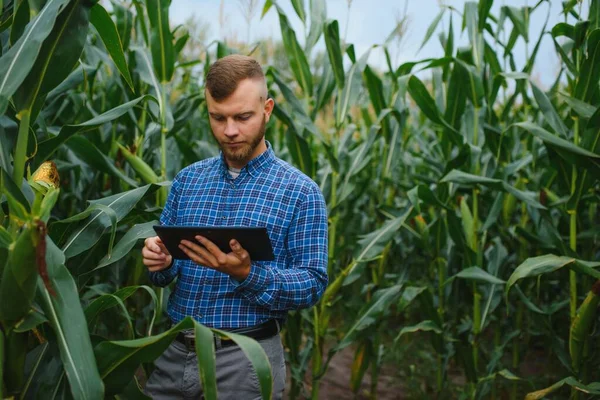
(162, 247)
(237, 248)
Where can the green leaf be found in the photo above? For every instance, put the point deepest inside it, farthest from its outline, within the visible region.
(352, 88)
(332, 42)
(477, 274)
(296, 57)
(16, 63)
(582, 108)
(147, 74)
(66, 317)
(266, 8)
(423, 326)
(382, 300)
(2, 345)
(517, 16)
(5, 238)
(593, 388)
(161, 39)
(535, 266)
(118, 360)
(372, 244)
(470, 20)
(475, 90)
(550, 114)
(300, 151)
(48, 147)
(90, 154)
(421, 96)
(468, 225)
(18, 205)
(594, 15)
(112, 41)
(456, 100)
(589, 73)
(207, 364)
(127, 242)
(143, 170)
(58, 56)
(567, 150)
(17, 287)
(484, 12)
(299, 8)
(432, 27)
(106, 301)
(89, 232)
(464, 178)
(34, 318)
(375, 89)
(258, 358)
(318, 15)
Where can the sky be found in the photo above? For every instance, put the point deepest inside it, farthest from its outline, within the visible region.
(371, 21)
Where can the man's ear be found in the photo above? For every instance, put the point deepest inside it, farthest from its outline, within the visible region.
(269, 104)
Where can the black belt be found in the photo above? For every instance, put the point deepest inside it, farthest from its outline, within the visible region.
(263, 331)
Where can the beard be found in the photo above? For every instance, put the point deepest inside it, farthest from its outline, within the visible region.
(244, 153)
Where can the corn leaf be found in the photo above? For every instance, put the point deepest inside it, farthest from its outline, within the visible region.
(535, 266)
(161, 39)
(69, 325)
(112, 40)
(332, 42)
(16, 63)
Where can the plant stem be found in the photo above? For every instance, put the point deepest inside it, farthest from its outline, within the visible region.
(333, 223)
(476, 248)
(573, 230)
(317, 356)
(21, 148)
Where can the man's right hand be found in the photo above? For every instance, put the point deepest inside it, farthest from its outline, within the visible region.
(155, 255)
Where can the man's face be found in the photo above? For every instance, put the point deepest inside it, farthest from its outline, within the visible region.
(238, 122)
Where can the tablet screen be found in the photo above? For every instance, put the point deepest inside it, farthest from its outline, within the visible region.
(254, 239)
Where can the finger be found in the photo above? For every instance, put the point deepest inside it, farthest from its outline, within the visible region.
(146, 253)
(193, 255)
(214, 250)
(163, 248)
(152, 245)
(153, 263)
(238, 250)
(202, 251)
(236, 247)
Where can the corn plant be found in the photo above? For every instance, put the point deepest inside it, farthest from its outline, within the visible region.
(78, 111)
(450, 183)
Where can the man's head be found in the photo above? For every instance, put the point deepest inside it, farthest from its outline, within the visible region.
(238, 107)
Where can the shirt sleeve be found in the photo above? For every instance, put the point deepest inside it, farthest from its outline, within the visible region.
(303, 282)
(168, 217)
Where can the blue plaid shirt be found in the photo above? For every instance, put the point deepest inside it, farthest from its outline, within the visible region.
(268, 193)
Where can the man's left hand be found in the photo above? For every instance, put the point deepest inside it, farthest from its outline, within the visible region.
(235, 264)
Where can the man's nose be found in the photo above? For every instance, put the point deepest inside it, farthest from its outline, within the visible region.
(231, 128)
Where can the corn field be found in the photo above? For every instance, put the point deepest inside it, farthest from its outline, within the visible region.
(463, 199)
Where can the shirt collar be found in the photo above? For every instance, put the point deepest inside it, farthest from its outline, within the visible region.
(255, 165)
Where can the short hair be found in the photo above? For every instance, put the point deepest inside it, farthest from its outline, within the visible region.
(226, 73)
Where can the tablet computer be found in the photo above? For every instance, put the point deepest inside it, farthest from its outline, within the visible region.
(255, 240)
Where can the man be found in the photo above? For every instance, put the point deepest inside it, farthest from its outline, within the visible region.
(245, 186)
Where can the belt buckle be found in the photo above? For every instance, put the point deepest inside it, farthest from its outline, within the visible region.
(190, 342)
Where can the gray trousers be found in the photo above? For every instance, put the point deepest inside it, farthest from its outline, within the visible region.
(176, 374)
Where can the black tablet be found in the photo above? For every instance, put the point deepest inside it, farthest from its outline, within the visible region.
(254, 240)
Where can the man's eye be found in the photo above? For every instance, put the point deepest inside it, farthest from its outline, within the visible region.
(218, 118)
(243, 117)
